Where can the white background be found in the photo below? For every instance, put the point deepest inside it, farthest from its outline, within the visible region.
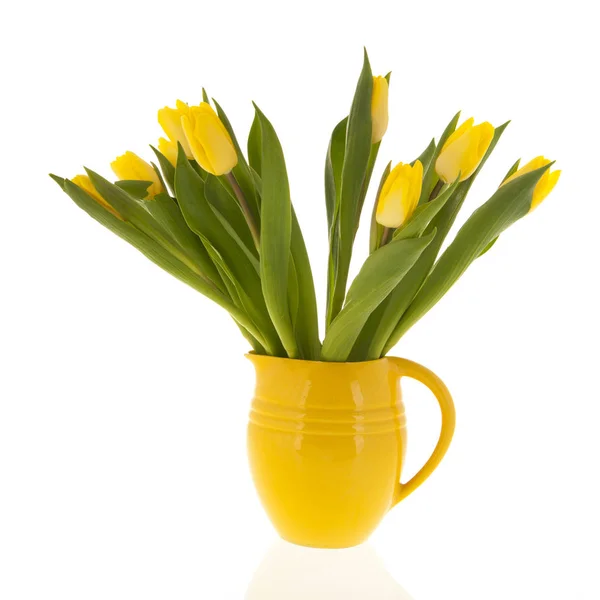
(124, 394)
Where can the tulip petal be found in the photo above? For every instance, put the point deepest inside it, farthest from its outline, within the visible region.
(169, 149)
(549, 180)
(209, 140)
(459, 132)
(486, 135)
(544, 186)
(450, 161)
(170, 120)
(532, 165)
(215, 139)
(480, 138)
(387, 186)
(131, 166)
(399, 195)
(464, 151)
(197, 149)
(379, 108)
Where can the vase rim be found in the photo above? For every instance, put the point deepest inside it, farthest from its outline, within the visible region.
(253, 356)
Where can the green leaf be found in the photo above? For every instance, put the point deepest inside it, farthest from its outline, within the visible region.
(424, 214)
(201, 219)
(168, 170)
(134, 211)
(205, 96)
(235, 289)
(361, 345)
(307, 319)
(489, 246)
(510, 202)
(255, 147)
(334, 164)
(430, 177)
(59, 180)
(155, 252)
(382, 319)
(199, 170)
(159, 175)
(137, 189)
(125, 204)
(333, 169)
(376, 228)
(512, 170)
(386, 335)
(129, 232)
(378, 276)
(293, 294)
(366, 182)
(426, 156)
(228, 210)
(257, 347)
(276, 234)
(166, 212)
(356, 161)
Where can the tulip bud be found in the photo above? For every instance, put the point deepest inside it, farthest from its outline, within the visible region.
(208, 139)
(379, 108)
(131, 166)
(169, 149)
(85, 183)
(400, 195)
(546, 183)
(463, 151)
(170, 120)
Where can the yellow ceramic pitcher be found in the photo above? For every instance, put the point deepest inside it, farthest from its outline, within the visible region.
(326, 443)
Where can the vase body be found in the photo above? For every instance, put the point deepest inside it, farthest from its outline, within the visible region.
(326, 444)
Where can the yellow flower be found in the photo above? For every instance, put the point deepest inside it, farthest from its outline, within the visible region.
(169, 149)
(546, 183)
(209, 141)
(170, 120)
(131, 166)
(400, 195)
(379, 108)
(85, 183)
(463, 151)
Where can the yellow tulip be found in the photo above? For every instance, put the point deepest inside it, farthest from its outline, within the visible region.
(379, 108)
(169, 149)
(85, 183)
(464, 150)
(400, 195)
(170, 120)
(546, 183)
(208, 139)
(131, 166)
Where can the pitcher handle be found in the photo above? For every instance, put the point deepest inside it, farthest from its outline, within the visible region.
(436, 385)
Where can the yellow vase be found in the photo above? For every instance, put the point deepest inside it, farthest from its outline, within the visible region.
(326, 443)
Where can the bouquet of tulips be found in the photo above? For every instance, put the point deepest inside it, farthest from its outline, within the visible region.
(223, 222)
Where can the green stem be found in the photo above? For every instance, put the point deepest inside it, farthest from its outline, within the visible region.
(239, 194)
(436, 190)
(385, 238)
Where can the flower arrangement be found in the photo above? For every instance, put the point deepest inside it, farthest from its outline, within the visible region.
(224, 223)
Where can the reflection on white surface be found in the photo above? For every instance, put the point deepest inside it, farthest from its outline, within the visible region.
(295, 573)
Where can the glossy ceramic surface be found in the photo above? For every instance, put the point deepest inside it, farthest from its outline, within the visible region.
(326, 443)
